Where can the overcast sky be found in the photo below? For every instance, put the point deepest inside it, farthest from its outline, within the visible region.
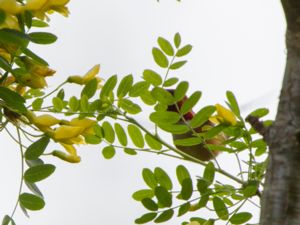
(238, 46)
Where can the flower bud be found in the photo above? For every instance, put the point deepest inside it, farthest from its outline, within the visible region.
(66, 157)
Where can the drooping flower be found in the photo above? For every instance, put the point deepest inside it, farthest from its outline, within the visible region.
(10, 6)
(40, 8)
(65, 132)
(66, 157)
(91, 74)
(225, 115)
(45, 120)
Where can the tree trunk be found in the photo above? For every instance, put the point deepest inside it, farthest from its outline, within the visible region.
(281, 196)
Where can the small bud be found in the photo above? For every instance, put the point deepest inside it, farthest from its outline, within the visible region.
(66, 157)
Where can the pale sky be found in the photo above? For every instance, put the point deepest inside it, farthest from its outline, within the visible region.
(237, 45)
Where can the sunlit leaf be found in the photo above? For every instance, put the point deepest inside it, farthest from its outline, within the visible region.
(149, 178)
(177, 65)
(177, 40)
(240, 218)
(108, 87)
(159, 57)
(121, 134)
(220, 208)
(152, 143)
(209, 172)
(42, 38)
(184, 50)
(142, 194)
(152, 77)
(190, 102)
(202, 116)
(129, 106)
(164, 216)
(182, 173)
(108, 152)
(165, 117)
(163, 178)
(125, 85)
(109, 133)
(90, 88)
(146, 218)
(138, 88)
(166, 46)
(136, 135)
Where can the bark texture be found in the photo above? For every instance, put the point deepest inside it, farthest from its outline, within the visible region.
(281, 197)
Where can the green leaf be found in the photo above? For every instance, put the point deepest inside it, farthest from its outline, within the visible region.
(35, 57)
(233, 103)
(108, 152)
(174, 128)
(37, 148)
(183, 209)
(170, 82)
(164, 216)
(109, 133)
(184, 50)
(250, 189)
(220, 208)
(34, 188)
(136, 136)
(5, 65)
(28, 18)
(130, 151)
(166, 46)
(214, 131)
(138, 88)
(58, 104)
(38, 173)
(186, 189)
(149, 204)
(180, 91)
(188, 141)
(108, 87)
(147, 98)
(142, 194)
(146, 218)
(190, 102)
(177, 65)
(163, 178)
(39, 23)
(209, 172)
(164, 117)
(6, 220)
(149, 178)
(43, 38)
(129, 106)
(31, 202)
(202, 186)
(159, 57)
(125, 86)
(202, 116)
(9, 36)
(162, 96)
(152, 77)
(92, 139)
(240, 218)
(163, 196)
(90, 88)
(177, 40)
(121, 135)
(2, 16)
(152, 143)
(37, 103)
(74, 104)
(260, 112)
(182, 173)
(13, 100)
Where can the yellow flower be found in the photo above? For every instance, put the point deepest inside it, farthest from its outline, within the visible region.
(91, 74)
(36, 69)
(67, 132)
(31, 80)
(41, 7)
(66, 157)
(85, 123)
(70, 149)
(10, 6)
(225, 115)
(45, 120)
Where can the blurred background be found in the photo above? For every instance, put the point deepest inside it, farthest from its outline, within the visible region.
(237, 45)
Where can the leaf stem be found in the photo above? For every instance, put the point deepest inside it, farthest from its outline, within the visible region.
(22, 172)
(188, 157)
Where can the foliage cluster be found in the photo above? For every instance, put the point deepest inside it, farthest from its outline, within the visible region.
(87, 119)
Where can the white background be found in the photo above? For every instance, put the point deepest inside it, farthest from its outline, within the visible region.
(238, 46)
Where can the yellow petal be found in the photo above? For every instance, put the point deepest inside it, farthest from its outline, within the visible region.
(75, 140)
(194, 223)
(65, 132)
(10, 6)
(91, 73)
(70, 149)
(45, 120)
(35, 4)
(226, 114)
(84, 123)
